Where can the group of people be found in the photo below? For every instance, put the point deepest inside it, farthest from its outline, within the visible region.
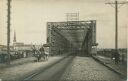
(40, 53)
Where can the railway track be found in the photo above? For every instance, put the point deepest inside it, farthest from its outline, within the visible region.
(32, 75)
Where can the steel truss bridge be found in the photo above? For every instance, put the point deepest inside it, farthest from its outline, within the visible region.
(71, 36)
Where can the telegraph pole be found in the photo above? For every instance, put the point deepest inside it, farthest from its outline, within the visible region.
(116, 25)
(8, 29)
(116, 3)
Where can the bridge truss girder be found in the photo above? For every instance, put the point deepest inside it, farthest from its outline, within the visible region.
(66, 37)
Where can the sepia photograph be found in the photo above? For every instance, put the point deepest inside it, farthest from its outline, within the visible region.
(63, 40)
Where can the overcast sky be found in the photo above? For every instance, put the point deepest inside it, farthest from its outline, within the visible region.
(29, 17)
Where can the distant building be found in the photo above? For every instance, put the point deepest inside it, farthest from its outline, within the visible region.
(19, 46)
(22, 47)
(1, 46)
(4, 48)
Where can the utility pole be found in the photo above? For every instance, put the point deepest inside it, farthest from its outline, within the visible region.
(8, 29)
(116, 3)
(116, 25)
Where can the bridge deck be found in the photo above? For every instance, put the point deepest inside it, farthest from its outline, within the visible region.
(78, 68)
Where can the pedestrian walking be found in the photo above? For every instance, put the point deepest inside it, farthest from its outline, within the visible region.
(38, 57)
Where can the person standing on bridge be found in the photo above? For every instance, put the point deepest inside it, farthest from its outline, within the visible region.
(112, 55)
(123, 56)
(38, 56)
(42, 52)
(117, 57)
(46, 55)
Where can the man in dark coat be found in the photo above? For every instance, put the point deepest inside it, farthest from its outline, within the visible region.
(117, 57)
(42, 52)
